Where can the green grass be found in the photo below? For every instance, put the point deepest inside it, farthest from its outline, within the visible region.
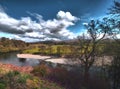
(17, 80)
(31, 51)
(59, 50)
(49, 50)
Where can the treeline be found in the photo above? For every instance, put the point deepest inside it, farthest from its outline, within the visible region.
(64, 42)
(110, 47)
(8, 45)
(68, 49)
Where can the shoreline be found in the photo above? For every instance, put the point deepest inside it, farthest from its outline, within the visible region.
(59, 60)
(33, 56)
(10, 67)
(98, 62)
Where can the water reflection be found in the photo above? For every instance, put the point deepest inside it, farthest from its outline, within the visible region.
(22, 59)
(11, 58)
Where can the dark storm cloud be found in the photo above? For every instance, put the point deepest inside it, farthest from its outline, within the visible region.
(8, 29)
(12, 30)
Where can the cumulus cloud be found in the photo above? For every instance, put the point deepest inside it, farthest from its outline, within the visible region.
(66, 16)
(28, 30)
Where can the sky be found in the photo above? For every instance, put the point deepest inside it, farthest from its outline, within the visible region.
(41, 20)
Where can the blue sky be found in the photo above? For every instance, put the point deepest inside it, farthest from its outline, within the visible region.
(36, 20)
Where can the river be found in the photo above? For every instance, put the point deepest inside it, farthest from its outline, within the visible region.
(11, 58)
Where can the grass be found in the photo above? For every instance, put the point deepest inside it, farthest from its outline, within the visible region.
(31, 51)
(72, 79)
(16, 80)
(60, 50)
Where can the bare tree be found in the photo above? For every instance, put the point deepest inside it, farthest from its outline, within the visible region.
(114, 20)
(96, 31)
(114, 68)
(115, 9)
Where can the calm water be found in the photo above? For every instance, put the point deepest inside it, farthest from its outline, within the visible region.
(11, 58)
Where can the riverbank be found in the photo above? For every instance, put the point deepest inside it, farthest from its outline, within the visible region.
(14, 77)
(32, 56)
(60, 60)
(52, 59)
(9, 67)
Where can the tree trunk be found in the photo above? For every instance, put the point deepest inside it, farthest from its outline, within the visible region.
(86, 76)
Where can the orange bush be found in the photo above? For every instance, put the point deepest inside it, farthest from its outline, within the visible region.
(41, 70)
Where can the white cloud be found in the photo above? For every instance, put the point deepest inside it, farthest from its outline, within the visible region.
(66, 16)
(27, 29)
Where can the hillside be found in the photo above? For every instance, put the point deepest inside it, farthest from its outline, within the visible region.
(14, 77)
(8, 45)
